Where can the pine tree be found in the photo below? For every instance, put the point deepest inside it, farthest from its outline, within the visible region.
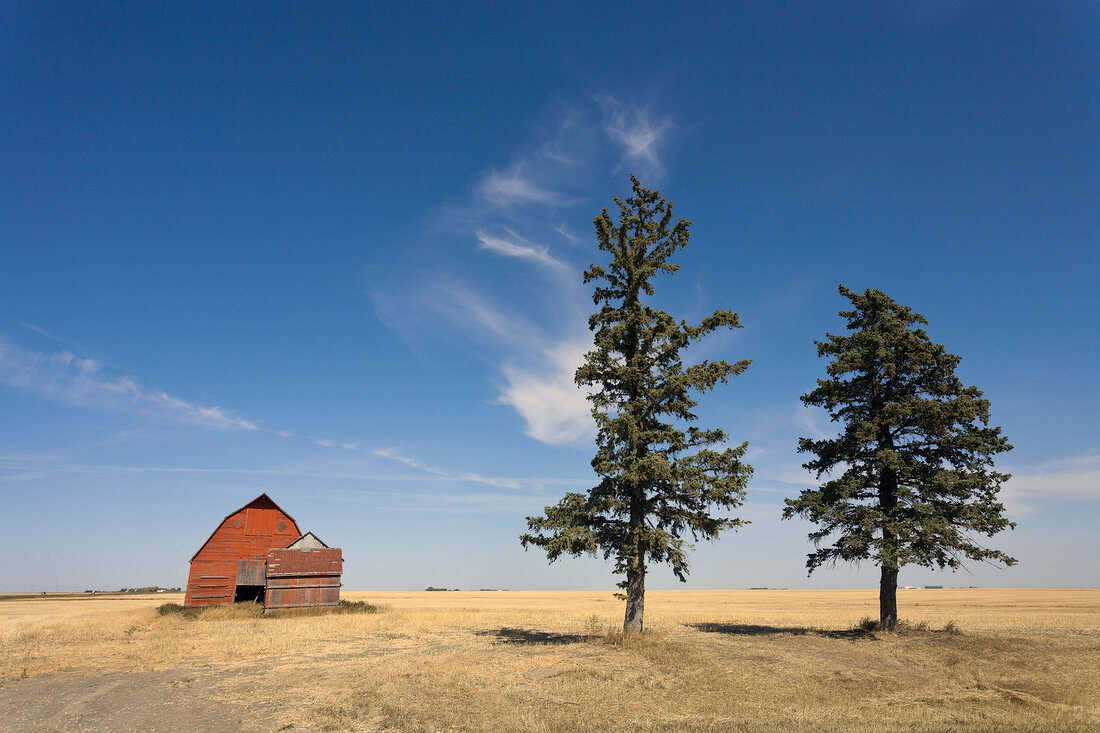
(658, 481)
(915, 458)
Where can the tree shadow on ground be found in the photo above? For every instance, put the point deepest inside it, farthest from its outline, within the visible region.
(754, 630)
(529, 636)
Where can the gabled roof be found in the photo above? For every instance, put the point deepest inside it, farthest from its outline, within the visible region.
(308, 540)
(258, 499)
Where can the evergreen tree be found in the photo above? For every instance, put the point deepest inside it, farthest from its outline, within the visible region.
(657, 481)
(915, 456)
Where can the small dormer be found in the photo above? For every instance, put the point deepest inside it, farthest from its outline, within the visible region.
(307, 542)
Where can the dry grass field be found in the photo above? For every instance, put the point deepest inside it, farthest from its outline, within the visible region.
(549, 661)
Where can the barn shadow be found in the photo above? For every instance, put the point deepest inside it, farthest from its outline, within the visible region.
(531, 637)
(755, 630)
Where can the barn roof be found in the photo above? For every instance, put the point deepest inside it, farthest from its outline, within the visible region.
(317, 561)
(259, 499)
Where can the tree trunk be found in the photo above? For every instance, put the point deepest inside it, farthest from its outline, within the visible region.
(888, 598)
(635, 566)
(635, 594)
(888, 582)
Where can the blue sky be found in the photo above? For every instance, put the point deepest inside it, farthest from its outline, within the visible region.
(333, 252)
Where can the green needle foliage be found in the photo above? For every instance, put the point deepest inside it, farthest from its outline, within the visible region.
(658, 482)
(915, 458)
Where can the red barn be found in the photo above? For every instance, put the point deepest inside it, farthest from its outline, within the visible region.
(231, 565)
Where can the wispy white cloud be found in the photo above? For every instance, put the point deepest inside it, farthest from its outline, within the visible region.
(510, 244)
(554, 409)
(468, 309)
(413, 462)
(569, 142)
(510, 187)
(328, 443)
(810, 420)
(45, 463)
(795, 476)
(1077, 477)
(564, 231)
(532, 332)
(41, 331)
(639, 134)
(63, 377)
(536, 368)
(521, 493)
(516, 484)
(50, 335)
(538, 172)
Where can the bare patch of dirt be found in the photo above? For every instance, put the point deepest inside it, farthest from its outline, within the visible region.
(171, 700)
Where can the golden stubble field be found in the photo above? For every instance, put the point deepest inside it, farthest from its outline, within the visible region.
(545, 661)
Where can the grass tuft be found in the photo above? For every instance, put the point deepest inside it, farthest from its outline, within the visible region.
(357, 607)
(345, 607)
(255, 610)
(868, 624)
(175, 609)
(907, 628)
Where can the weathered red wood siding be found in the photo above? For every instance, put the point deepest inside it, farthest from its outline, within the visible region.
(297, 578)
(246, 534)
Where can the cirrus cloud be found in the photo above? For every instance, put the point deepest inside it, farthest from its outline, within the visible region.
(64, 378)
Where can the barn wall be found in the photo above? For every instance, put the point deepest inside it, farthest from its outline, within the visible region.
(247, 534)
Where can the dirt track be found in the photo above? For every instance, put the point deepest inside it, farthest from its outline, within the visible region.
(173, 700)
